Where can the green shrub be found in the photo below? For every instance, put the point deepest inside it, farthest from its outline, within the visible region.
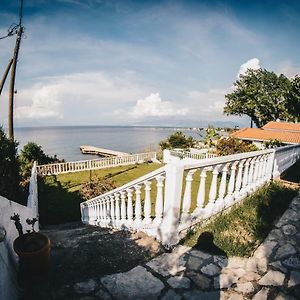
(227, 146)
(9, 169)
(32, 152)
(177, 140)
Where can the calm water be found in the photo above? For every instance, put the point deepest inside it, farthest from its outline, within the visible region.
(65, 141)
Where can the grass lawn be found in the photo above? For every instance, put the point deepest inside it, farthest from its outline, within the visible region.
(240, 231)
(59, 195)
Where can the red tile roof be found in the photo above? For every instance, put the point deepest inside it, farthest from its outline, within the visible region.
(282, 126)
(257, 134)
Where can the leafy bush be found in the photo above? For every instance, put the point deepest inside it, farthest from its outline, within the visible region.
(32, 152)
(177, 140)
(272, 143)
(9, 168)
(227, 146)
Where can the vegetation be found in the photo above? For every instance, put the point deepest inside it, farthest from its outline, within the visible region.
(177, 140)
(227, 146)
(240, 231)
(273, 143)
(9, 169)
(60, 196)
(265, 96)
(32, 152)
(97, 186)
(211, 136)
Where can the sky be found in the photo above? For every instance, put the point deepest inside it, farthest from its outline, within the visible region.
(162, 63)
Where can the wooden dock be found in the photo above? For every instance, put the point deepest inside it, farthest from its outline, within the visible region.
(85, 149)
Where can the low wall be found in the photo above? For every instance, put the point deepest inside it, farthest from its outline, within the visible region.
(8, 258)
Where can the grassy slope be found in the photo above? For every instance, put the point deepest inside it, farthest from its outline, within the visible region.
(59, 195)
(246, 226)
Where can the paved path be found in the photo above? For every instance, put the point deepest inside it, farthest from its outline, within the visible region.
(272, 273)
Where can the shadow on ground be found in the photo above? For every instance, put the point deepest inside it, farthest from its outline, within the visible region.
(82, 252)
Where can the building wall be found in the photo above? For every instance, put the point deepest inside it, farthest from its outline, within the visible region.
(8, 258)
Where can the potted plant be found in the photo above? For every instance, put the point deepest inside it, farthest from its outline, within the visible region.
(33, 248)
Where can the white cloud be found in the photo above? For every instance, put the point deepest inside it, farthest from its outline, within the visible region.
(208, 104)
(45, 104)
(252, 63)
(289, 69)
(85, 97)
(154, 106)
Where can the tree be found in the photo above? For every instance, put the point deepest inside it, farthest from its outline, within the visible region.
(32, 152)
(211, 135)
(263, 96)
(9, 168)
(177, 140)
(293, 98)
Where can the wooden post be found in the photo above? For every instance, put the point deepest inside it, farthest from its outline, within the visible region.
(12, 86)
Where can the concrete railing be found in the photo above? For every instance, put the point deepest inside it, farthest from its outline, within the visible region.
(162, 204)
(8, 258)
(187, 154)
(94, 164)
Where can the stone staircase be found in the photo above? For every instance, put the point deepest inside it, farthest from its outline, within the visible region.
(80, 252)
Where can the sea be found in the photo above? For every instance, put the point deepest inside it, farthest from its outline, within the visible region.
(65, 141)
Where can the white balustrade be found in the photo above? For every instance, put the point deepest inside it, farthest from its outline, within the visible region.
(223, 182)
(86, 165)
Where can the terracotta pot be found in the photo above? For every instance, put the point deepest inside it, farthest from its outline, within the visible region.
(33, 250)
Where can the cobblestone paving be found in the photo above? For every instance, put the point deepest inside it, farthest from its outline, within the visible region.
(273, 272)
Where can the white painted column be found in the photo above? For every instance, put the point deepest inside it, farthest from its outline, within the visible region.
(250, 177)
(159, 199)
(117, 208)
(138, 206)
(187, 198)
(168, 230)
(123, 207)
(238, 183)
(201, 192)
(112, 209)
(213, 190)
(129, 207)
(220, 203)
(230, 197)
(245, 178)
(147, 204)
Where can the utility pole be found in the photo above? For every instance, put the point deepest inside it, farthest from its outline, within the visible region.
(13, 77)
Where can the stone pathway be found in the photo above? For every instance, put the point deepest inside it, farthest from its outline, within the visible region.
(273, 272)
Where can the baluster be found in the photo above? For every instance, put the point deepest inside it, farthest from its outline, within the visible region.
(100, 208)
(265, 165)
(98, 211)
(103, 202)
(220, 204)
(138, 206)
(255, 173)
(107, 209)
(238, 182)
(245, 178)
(269, 170)
(123, 207)
(251, 173)
(129, 207)
(187, 198)
(147, 203)
(259, 172)
(230, 197)
(112, 209)
(159, 199)
(117, 199)
(213, 190)
(201, 191)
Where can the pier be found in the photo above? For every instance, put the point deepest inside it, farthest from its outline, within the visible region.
(100, 151)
